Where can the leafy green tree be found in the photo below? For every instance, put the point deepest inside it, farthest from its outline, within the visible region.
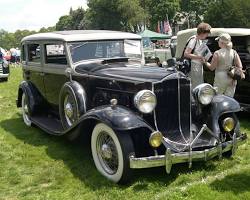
(10, 40)
(159, 10)
(229, 13)
(73, 21)
(104, 14)
(193, 11)
(123, 15)
(49, 29)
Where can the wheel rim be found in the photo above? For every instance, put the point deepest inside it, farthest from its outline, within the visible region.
(69, 110)
(107, 153)
(25, 110)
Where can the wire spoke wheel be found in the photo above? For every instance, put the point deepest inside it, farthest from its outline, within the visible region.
(110, 151)
(107, 153)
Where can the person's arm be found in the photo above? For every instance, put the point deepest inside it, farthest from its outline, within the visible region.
(238, 64)
(188, 54)
(214, 62)
(188, 51)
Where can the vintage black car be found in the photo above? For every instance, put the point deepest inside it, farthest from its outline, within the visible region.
(4, 67)
(94, 83)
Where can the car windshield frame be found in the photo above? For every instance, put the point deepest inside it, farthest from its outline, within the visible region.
(112, 49)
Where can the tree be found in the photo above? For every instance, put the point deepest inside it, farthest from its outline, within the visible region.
(133, 15)
(73, 21)
(104, 14)
(125, 15)
(193, 11)
(229, 14)
(160, 10)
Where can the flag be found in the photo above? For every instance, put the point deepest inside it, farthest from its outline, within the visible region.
(167, 27)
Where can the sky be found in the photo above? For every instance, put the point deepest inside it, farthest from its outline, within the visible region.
(34, 14)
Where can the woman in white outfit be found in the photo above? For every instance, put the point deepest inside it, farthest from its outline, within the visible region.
(192, 52)
(222, 60)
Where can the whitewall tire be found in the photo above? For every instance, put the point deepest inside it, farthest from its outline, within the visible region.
(111, 153)
(25, 110)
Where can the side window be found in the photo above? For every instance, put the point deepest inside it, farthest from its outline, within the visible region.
(34, 53)
(55, 53)
(23, 53)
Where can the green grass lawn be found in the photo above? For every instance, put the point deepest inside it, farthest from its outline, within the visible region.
(34, 165)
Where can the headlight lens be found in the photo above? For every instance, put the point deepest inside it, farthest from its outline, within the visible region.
(228, 124)
(5, 63)
(145, 101)
(155, 139)
(205, 93)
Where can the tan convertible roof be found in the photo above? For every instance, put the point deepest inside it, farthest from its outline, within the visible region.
(182, 36)
(81, 35)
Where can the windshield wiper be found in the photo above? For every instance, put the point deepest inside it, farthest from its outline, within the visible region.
(117, 59)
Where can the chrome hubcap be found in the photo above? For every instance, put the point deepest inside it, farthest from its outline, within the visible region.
(107, 153)
(26, 110)
(68, 110)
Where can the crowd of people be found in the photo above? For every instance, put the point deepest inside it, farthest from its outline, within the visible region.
(12, 55)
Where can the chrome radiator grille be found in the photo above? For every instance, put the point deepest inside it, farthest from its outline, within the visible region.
(173, 110)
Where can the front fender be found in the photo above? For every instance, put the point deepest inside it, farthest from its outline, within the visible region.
(117, 117)
(220, 105)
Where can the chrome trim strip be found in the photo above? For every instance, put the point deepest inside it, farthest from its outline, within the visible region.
(172, 158)
(155, 121)
(179, 107)
(4, 75)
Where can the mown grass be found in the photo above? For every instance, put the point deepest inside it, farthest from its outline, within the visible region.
(34, 165)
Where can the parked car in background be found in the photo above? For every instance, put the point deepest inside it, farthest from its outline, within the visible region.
(241, 43)
(4, 66)
(96, 86)
(173, 44)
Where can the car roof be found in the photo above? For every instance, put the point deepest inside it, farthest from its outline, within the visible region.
(81, 35)
(184, 35)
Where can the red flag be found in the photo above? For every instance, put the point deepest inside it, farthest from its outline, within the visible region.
(166, 26)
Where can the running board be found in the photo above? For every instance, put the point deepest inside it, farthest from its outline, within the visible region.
(49, 124)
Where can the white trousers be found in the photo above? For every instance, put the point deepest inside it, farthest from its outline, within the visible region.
(224, 83)
(196, 74)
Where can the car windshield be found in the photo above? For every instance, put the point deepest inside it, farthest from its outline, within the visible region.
(89, 50)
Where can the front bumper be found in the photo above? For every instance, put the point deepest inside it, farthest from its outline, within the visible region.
(4, 75)
(172, 158)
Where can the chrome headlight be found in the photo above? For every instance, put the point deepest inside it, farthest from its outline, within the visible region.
(5, 64)
(205, 93)
(145, 101)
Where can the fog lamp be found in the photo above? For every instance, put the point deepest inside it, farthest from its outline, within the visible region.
(155, 139)
(228, 124)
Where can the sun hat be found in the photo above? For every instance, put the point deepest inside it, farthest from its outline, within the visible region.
(225, 38)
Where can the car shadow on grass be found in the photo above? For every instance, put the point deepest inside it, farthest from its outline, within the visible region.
(78, 159)
(237, 183)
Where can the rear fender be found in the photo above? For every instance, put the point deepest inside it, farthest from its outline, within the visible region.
(34, 97)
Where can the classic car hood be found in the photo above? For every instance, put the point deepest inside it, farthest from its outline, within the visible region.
(136, 73)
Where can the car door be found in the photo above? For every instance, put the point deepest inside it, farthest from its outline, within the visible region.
(32, 65)
(242, 46)
(55, 64)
